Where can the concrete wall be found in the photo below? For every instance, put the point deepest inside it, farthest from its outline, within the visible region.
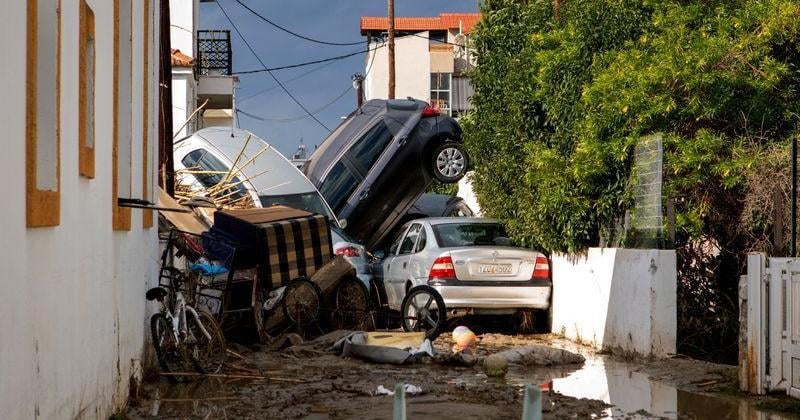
(183, 100)
(73, 310)
(184, 18)
(618, 299)
(412, 69)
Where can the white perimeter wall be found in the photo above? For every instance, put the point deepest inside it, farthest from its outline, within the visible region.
(412, 69)
(617, 299)
(73, 310)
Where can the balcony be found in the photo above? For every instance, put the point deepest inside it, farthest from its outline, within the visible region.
(214, 53)
(214, 80)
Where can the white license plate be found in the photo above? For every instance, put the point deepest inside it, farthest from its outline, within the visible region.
(494, 268)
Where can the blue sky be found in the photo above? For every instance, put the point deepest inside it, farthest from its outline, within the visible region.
(329, 20)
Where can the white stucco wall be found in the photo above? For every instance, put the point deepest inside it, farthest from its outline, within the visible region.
(73, 310)
(618, 299)
(412, 69)
(183, 100)
(184, 18)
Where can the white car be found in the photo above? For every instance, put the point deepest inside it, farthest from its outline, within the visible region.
(471, 263)
(265, 176)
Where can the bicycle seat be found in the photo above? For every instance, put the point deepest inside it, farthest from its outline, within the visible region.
(156, 293)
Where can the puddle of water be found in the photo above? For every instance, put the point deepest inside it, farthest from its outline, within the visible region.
(633, 395)
(204, 399)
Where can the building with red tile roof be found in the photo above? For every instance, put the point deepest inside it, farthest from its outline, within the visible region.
(432, 56)
(444, 22)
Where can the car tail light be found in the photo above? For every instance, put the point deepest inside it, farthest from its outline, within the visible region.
(442, 269)
(430, 111)
(348, 251)
(542, 268)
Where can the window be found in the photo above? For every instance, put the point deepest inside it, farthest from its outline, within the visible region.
(396, 242)
(338, 186)
(440, 91)
(422, 241)
(311, 202)
(411, 238)
(369, 147)
(210, 171)
(147, 174)
(468, 234)
(43, 201)
(437, 37)
(121, 150)
(86, 54)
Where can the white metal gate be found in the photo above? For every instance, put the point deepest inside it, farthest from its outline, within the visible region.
(770, 346)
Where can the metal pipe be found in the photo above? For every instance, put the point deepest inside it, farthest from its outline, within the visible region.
(793, 247)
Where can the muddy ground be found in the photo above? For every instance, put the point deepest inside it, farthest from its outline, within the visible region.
(308, 383)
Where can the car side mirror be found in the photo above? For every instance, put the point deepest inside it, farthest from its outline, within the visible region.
(379, 255)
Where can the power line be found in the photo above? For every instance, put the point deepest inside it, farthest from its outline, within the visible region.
(235, 28)
(301, 117)
(308, 63)
(295, 33)
(290, 80)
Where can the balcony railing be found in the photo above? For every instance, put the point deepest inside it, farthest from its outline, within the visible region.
(214, 53)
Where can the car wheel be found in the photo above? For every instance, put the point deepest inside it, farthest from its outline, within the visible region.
(449, 162)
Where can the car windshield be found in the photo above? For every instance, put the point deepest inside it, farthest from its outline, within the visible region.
(310, 201)
(210, 171)
(450, 235)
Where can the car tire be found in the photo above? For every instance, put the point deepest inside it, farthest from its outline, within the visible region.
(449, 162)
(435, 319)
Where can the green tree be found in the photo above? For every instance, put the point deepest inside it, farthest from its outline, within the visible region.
(560, 102)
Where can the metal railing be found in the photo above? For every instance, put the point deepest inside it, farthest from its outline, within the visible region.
(214, 52)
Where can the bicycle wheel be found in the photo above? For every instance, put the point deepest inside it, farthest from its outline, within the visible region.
(351, 301)
(171, 355)
(302, 302)
(207, 355)
(418, 312)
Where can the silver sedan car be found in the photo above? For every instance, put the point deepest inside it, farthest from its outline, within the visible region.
(469, 261)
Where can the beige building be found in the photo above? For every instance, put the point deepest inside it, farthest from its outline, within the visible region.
(432, 55)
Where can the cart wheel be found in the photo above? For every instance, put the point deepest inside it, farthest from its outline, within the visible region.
(302, 302)
(419, 313)
(352, 306)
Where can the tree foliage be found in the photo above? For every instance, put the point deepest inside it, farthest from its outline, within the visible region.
(561, 100)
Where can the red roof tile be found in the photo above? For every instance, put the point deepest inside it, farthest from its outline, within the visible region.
(180, 59)
(443, 22)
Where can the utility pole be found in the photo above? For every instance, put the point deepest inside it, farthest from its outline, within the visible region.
(358, 84)
(391, 49)
(166, 166)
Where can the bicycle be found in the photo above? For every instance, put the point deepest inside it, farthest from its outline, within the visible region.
(183, 343)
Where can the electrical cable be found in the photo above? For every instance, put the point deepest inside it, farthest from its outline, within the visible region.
(308, 63)
(268, 71)
(301, 117)
(295, 33)
(290, 80)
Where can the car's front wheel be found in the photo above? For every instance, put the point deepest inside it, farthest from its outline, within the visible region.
(449, 162)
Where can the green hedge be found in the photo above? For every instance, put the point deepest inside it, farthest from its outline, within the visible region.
(561, 100)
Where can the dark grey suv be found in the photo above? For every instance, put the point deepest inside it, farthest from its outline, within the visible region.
(376, 164)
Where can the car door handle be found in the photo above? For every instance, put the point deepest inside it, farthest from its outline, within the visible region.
(402, 141)
(404, 265)
(363, 194)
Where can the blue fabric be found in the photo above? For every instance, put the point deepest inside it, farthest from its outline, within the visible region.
(208, 269)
